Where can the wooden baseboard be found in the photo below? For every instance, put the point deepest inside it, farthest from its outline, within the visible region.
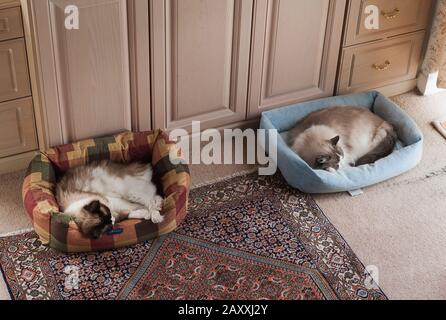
(398, 88)
(17, 162)
(389, 90)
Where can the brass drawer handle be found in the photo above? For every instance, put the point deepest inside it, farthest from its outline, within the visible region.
(391, 15)
(381, 67)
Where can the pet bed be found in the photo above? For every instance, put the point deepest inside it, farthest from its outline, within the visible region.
(406, 155)
(60, 232)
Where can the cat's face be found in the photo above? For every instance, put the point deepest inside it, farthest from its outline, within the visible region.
(94, 220)
(326, 156)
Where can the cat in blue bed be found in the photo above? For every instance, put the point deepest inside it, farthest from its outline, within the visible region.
(338, 137)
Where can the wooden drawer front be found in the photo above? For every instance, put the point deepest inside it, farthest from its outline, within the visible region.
(396, 17)
(379, 64)
(17, 127)
(11, 23)
(14, 78)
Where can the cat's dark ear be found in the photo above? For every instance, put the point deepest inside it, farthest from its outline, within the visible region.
(93, 206)
(334, 141)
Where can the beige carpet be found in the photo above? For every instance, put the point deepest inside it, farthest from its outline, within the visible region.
(399, 225)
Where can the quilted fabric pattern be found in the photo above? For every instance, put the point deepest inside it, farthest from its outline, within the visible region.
(59, 232)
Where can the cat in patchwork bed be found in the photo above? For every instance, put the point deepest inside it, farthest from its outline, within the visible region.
(338, 137)
(99, 194)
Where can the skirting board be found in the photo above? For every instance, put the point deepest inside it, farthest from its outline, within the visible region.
(391, 89)
(17, 162)
(398, 88)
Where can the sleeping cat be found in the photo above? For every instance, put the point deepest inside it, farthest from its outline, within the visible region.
(338, 137)
(99, 194)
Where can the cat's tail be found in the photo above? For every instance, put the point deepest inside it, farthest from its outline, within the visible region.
(383, 149)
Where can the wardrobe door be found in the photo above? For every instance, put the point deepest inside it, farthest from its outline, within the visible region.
(84, 72)
(200, 60)
(295, 51)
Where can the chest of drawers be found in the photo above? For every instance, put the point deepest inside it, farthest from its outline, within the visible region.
(387, 58)
(18, 137)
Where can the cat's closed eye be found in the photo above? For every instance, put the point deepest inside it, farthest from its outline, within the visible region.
(322, 159)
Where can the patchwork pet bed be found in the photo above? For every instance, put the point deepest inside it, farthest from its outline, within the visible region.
(59, 232)
(407, 153)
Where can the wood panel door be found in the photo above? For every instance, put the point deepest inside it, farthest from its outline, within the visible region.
(200, 61)
(85, 72)
(295, 51)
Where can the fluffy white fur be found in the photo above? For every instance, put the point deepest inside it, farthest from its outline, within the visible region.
(134, 195)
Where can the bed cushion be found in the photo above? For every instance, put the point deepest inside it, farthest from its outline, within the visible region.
(58, 230)
(407, 153)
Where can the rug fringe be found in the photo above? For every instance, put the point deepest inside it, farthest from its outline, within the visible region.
(16, 233)
(234, 175)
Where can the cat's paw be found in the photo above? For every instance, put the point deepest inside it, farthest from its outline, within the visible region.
(140, 214)
(157, 203)
(156, 217)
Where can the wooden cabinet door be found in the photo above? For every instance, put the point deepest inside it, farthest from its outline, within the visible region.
(17, 127)
(14, 78)
(295, 51)
(84, 72)
(200, 60)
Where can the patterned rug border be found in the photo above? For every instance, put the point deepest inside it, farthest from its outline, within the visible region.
(347, 246)
(4, 278)
(285, 265)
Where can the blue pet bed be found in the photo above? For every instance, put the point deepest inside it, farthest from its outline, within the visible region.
(298, 174)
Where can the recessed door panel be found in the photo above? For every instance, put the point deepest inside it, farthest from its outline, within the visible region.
(85, 71)
(295, 51)
(200, 61)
